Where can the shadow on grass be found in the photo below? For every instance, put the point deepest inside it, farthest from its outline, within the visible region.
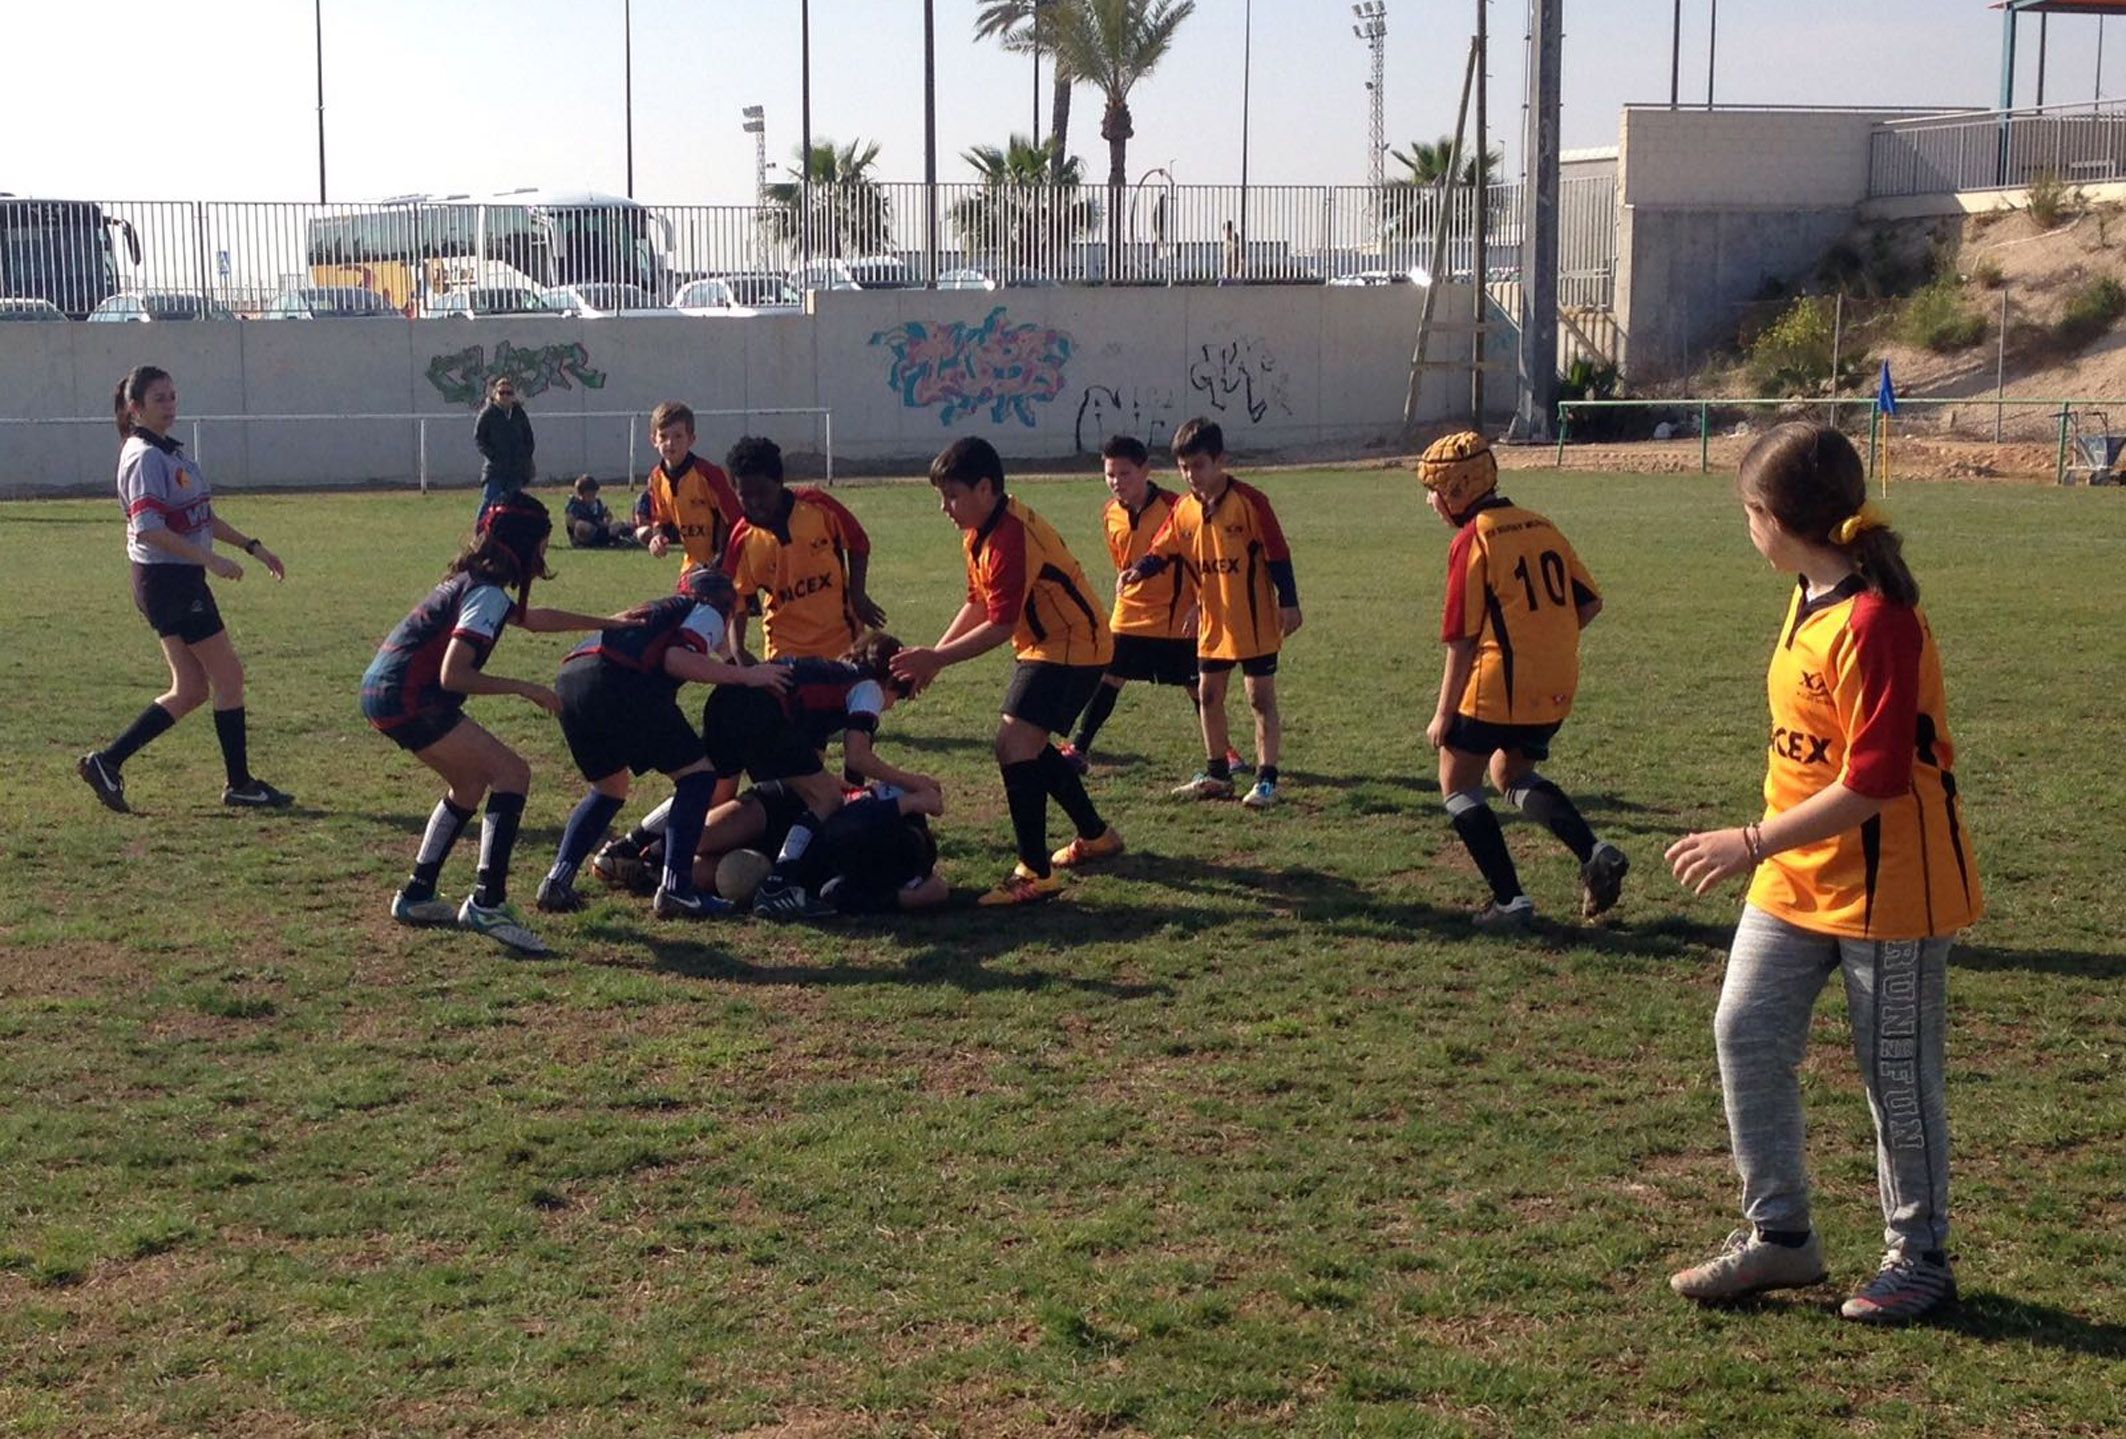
(1994, 1317)
(2038, 961)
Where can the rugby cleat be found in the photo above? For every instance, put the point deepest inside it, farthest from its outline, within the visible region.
(433, 910)
(1748, 1265)
(1237, 762)
(105, 780)
(1022, 886)
(1082, 851)
(784, 902)
(256, 794)
(1262, 796)
(1204, 786)
(1907, 1287)
(1602, 880)
(1515, 918)
(499, 923)
(690, 904)
(558, 897)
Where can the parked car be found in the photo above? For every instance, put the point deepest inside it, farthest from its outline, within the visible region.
(158, 305)
(880, 272)
(707, 297)
(30, 310)
(603, 301)
(488, 300)
(329, 302)
(823, 275)
(1377, 277)
(1002, 279)
(761, 290)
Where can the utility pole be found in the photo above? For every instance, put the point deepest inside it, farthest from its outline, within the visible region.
(1712, 49)
(1675, 58)
(930, 138)
(1539, 255)
(1480, 270)
(1372, 27)
(1247, 76)
(317, 18)
(804, 157)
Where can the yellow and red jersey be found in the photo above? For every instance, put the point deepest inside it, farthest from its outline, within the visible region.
(1857, 698)
(1023, 575)
(699, 503)
(1237, 555)
(1515, 587)
(1157, 607)
(795, 575)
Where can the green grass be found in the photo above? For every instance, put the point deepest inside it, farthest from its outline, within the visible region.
(1247, 1135)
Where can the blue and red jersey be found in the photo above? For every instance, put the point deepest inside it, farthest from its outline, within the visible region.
(640, 648)
(405, 680)
(828, 697)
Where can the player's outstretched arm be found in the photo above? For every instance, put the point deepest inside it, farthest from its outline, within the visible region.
(701, 669)
(461, 675)
(541, 621)
(862, 759)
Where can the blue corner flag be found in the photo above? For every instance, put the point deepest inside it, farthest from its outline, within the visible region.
(1886, 393)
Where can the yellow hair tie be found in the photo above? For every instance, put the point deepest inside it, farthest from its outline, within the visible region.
(1859, 523)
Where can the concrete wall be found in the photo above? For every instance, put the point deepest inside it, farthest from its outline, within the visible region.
(1044, 374)
(1715, 203)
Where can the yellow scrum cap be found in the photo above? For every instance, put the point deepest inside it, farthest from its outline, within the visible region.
(1460, 469)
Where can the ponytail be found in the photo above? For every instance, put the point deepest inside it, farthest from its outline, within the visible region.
(132, 389)
(1811, 481)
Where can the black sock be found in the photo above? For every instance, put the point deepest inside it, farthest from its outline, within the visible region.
(682, 829)
(229, 729)
(585, 828)
(1095, 716)
(1486, 843)
(1550, 807)
(1026, 793)
(1218, 767)
(152, 721)
(445, 824)
(1267, 774)
(1784, 1238)
(497, 838)
(1068, 790)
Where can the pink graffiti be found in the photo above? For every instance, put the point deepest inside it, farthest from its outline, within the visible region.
(959, 369)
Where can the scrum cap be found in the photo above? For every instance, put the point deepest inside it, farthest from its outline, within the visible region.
(1460, 469)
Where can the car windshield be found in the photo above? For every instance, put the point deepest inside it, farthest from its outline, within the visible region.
(757, 289)
(705, 294)
(881, 274)
(616, 297)
(348, 300)
(177, 307)
(506, 301)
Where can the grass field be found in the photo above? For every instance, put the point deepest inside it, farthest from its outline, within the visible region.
(1246, 1135)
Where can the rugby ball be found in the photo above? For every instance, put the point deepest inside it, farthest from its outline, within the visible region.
(739, 873)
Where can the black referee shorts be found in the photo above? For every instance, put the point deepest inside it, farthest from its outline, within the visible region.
(175, 601)
(1051, 695)
(616, 719)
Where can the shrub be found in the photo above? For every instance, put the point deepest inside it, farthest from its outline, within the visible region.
(2091, 310)
(1986, 274)
(1792, 355)
(2051, 199)
(1937, 319)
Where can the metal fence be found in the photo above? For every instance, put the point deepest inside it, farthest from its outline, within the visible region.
(253, 258)
(1997, 149)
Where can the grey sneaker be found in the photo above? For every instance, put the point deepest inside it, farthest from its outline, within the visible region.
(1515, 918)
(1204, 786)
(1907, 1287)
(500, 923)
(1602, 880)
(432, 910)
(1747, 1265)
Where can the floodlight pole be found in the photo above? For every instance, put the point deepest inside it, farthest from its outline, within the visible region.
(1479, 269)
(1247, 75)
(317, 19)
(930, 136)
(1712, 50)
(1675, 58)
(804, 155)
(627, 83)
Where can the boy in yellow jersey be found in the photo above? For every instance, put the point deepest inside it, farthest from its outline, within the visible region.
(1227, 536)
(1024, 587)
(1154, 622)
(692, 504)
(1517, 599)
(805, 552)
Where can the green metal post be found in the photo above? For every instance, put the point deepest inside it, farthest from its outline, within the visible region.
(2059, 469)
(1705, 439)
(1874, 430)
(1564, 419)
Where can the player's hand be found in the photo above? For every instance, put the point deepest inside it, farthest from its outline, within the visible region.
(917, 667)
(1436, 732)
(543, 697)
(272, 562)
(659, 543)
(631, 617)
(1701, 861)
(1188, 622)
(222, 567)
(776, 679)
(1289, 619)
(868, 610)
(927, 797)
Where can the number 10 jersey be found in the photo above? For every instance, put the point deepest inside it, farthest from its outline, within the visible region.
(1515, 587)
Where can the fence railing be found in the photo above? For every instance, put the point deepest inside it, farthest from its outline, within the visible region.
(1997, 149)
(423, 257)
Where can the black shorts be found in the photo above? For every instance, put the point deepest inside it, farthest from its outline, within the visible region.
(876, 852)
(744, 731)
(1153, 660)
(616, 719)
(1051, 695)
(1475, 736)
(418, 733)
(176, 602)
(1255, 667)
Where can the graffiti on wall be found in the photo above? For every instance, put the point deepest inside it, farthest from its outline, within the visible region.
(958, 369)
(464, 378)
(1147, 412)
(1240, 376)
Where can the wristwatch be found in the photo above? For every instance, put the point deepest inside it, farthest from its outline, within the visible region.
(251, 546)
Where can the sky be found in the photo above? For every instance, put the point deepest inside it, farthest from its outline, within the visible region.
(470, 96)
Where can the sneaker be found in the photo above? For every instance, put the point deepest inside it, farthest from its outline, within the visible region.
(256, 794)
(1084, 851)
(1602, 879)
(499, 923)
(432, 910)
(1238, 763)
(105, 780)
(1022, 886)
(619, 863)
(558, 897)
(690, 904)
(1204, 786)
(1262, 796)
(787, 902)
(1907, 1287)
(1515, 918)
(1076, 757)
(1748, 1265)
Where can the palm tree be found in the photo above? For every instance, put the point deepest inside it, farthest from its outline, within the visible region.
(1427, 163)
(848, 215)
(1405, 214)
(1111, 45)
(1028, 210)
(1021, 26)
